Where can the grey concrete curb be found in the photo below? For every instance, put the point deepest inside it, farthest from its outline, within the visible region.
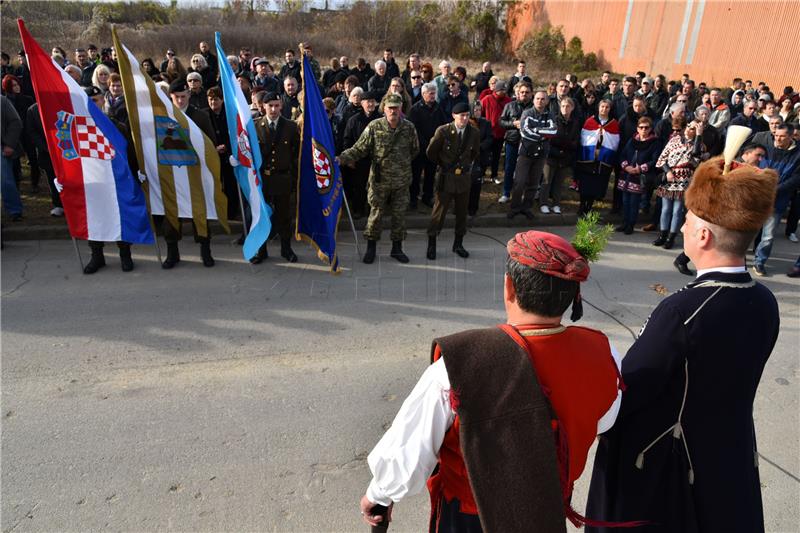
(413, 221)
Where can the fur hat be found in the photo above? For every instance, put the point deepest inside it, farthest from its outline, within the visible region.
(741, 200)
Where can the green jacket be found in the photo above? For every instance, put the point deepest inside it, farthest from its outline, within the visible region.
(453, 159)
(391, 151)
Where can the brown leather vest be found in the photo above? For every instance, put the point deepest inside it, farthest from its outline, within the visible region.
(505, 433)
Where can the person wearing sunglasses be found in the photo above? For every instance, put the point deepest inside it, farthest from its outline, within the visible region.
(638, 163)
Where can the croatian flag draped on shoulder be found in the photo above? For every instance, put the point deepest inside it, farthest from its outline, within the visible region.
(181, 163)
(319, 184)
(246, 153)
(608, 133)
(102, 199)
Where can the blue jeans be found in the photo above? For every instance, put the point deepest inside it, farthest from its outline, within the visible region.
(671, 214)
(11, 200)
(512, 149)
(630, 207)
(764, 247)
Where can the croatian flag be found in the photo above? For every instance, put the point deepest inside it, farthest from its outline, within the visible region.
(102, 199)
(608, 137)
(244, 145)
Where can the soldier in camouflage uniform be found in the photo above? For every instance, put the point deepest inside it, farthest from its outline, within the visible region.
(391, 142)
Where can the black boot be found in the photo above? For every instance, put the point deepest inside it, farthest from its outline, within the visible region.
(173, 256)
(682, 265)
(369, 256)
(205, 253)
(431, 253)
(628, 229)
(125, 259)
(458, 247)
(287, 252)
(261, 254)
(96, 262)
(670, 241)
(662, 238)
(397, 252)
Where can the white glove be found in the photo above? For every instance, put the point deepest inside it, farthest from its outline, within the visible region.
(141, 176)
(233, 161)
(58, 185)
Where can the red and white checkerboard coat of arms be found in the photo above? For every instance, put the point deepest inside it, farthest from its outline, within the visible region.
(80, 137)
(322, 167)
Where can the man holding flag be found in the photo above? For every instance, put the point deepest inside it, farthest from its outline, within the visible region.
(102, 199)
(245, 160)
(279, 143)
(176, 151)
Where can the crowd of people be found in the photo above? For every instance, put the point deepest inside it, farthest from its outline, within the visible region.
(642, 134)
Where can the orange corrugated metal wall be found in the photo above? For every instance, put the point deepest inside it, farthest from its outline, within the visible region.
(713, 40)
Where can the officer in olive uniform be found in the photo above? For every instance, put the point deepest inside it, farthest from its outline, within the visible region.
(391, 143)
(454, 148)
(279, 140)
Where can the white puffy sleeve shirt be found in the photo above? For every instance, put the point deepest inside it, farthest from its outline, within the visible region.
(404, 458)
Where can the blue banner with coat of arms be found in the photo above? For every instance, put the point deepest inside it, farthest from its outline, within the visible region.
(319, 184)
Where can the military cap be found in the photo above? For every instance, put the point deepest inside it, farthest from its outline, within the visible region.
(460, 107)
(270, 96)
(393, 100)
(92, 91)
(178, 86)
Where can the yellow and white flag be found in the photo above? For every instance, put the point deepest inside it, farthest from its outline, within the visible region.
(181, 163)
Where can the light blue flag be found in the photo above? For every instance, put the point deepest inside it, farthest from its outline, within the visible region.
(245, 150)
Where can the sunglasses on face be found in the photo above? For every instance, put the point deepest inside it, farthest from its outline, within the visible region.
(644, 127)
(416, 77)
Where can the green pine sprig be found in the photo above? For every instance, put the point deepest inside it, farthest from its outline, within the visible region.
(590, 237)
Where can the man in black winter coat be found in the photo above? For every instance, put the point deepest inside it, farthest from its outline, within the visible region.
(379, 83)
(630, 120)
(355, 178)
(426, 115)
(392, 70)
(482, 78)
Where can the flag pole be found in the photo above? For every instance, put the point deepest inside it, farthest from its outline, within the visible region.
(146, 189)
(352, 224)
(155, 238)
(78, 253)
(241, 208)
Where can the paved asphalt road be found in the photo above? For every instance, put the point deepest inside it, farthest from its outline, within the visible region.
(246, 398)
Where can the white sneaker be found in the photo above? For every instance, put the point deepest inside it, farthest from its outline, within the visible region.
(557, 209)
(497, 181)
(793, 237)
(57, 212)
(503, 199)
(545, 209)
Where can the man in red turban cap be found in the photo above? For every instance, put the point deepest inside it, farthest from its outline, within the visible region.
(499, 426)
